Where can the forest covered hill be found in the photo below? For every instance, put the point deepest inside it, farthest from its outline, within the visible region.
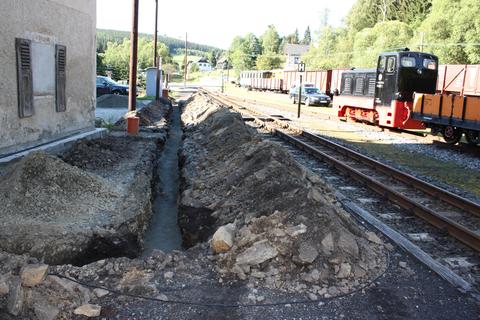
(105, 36)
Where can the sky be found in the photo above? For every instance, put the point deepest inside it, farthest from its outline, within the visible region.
(216, 22)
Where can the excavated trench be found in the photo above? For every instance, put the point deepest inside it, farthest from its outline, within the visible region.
(163, 232)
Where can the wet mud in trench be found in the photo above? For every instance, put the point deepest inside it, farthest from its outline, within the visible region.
(163, 232)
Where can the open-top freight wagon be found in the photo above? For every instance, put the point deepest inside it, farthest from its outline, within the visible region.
(455, 109)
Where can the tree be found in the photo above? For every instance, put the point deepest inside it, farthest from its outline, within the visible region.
(269, 61)
(240, 55)
(307, 37)
(270, 40)
(194, 68)
(117, 56)
(452, 30)
(101, 67)
(384, 36)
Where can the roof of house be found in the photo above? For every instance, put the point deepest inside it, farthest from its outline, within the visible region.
(202, 60)
(295, 49)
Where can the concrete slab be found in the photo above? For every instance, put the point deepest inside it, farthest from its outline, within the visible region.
(58, 145)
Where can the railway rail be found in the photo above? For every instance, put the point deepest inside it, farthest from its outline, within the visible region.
(446, 211)
(421, 136)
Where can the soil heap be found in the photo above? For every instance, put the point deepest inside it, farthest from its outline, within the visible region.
(95, 203)
(289, 232)
(152, 117)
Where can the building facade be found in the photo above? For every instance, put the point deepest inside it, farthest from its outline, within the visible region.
(47, 62)
(203, 65)
(293, 54)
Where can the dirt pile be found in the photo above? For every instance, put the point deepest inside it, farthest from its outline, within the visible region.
(151, 117)
(95, 203)
(43, 197)
(291, 233)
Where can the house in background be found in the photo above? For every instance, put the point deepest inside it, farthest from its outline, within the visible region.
(222, 64)
(203, 64)
(47, 63)
(293, 54)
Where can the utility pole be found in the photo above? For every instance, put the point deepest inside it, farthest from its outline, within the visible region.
(186, 61)
(155, 53)
(132, 92)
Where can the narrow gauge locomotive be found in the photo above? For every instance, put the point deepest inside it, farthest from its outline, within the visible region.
(384, 95)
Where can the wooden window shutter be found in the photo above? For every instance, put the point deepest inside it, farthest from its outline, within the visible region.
(24, 77)
(60, 77)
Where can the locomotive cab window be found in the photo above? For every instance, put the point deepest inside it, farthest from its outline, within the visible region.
(381, 64)
(408, 62)
(430, 64)
(391, 64)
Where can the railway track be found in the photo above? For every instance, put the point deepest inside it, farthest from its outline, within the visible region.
(421, 136)
(446, 212)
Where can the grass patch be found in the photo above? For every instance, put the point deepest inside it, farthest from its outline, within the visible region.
(447, 172)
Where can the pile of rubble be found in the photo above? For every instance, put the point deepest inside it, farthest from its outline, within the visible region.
(152, 117)
(35, 290)
(278, 224)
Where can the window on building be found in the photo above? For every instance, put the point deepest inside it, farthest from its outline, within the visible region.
(24, 77)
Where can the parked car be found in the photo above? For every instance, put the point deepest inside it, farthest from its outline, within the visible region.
(106, 85)
(310, 96)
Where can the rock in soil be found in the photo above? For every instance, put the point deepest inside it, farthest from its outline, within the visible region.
(88, 310)
(33, 274)
(222, 239)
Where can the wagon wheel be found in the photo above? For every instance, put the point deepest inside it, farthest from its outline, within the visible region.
(451, 135)
(473, 137)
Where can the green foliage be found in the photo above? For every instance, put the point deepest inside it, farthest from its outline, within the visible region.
(293, 38)
(384, 36)
(106, 36)
(269, 61)
(244, 51)
(307, 37)
(270, 41)
(452, 30)
(101, 67)
(117, 56)
(194, 68)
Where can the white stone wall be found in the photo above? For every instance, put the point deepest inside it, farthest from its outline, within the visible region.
(46, 23)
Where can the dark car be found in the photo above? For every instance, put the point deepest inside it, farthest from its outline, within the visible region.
(106, 85)
(310, 96)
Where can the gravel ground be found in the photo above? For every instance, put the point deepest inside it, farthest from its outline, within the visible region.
(410, 292)
(410, 145)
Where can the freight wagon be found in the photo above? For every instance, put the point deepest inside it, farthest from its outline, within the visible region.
(455, 109)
